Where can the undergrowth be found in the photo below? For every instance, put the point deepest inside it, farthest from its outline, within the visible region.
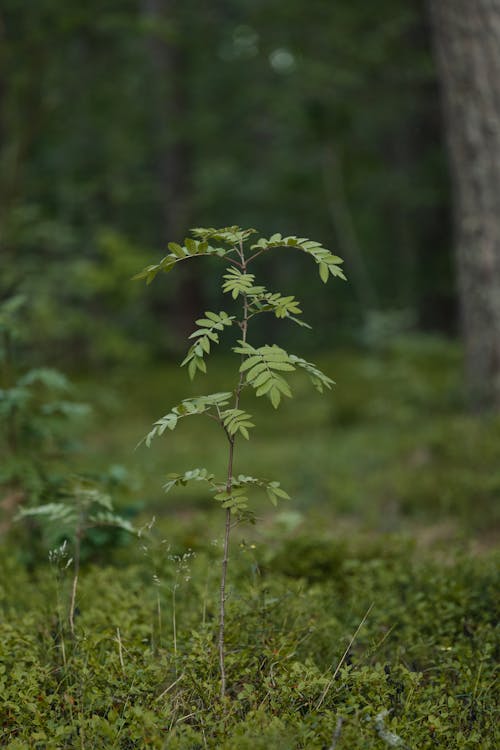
(363, 615)
(385, 648)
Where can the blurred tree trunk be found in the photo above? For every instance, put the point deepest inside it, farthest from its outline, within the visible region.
(343, 224)
(467, 42)
(170, 57)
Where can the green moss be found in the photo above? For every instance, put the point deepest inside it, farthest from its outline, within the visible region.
(395, 491)
(425, 652)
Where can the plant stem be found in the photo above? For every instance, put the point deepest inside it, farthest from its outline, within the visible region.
(222, 613)
(8, 378)
(174, 622)
(78, 541)
(229, 484)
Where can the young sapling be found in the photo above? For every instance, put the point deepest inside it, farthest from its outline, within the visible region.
(262, 368)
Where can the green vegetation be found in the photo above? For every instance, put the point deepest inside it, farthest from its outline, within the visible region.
(261, 368)
(388, 538)
(361, 613)
(425, 652)
(322, 120)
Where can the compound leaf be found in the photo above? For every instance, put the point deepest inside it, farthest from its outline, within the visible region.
(187, 407)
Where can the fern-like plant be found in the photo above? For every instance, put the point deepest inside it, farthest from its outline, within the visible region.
(38, 416)
(264, 369)
(82, 507)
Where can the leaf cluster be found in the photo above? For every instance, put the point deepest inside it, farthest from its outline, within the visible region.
(83, 506)
(328, 262)
(37, 412)
(231, 494)
(263, 367)
(190, 249)
(187, 408)
(205, 335)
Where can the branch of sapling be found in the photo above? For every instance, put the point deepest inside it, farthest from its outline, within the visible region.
(255, 255)
(76, 573)
(233, 261)
(225, 258)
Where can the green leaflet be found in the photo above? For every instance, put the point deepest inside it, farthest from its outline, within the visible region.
(186, 408)
(236, 499)
(204, 336)
(316, 376)
(237, 420)
(236, 283)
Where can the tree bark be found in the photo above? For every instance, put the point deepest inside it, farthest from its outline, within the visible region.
(169, 55)
(467, 46)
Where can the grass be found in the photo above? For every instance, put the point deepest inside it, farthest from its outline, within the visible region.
(361, 614)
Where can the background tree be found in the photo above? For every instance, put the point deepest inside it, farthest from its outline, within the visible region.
(467, 39)
(119, 123)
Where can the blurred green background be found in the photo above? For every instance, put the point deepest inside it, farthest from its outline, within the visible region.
(122, 125)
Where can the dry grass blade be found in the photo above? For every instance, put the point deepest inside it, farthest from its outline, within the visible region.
(169, 688)
(342, 659)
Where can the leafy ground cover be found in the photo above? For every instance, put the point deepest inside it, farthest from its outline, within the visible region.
(362, 615)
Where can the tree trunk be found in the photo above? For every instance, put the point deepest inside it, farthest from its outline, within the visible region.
(467, 44)
(169, 56)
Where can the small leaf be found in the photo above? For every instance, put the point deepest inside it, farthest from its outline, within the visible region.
(272, 497)
(275, 397)
(176, 249)
(192, 369)
(262, 378)
(323, 272)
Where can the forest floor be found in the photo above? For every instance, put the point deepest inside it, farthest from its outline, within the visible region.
(362, 613)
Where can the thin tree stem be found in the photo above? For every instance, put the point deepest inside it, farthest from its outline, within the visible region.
(229, 484)
(222, 614)
(174, 622)
(78, 541)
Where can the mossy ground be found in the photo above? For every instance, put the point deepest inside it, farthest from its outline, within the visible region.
(360, 615)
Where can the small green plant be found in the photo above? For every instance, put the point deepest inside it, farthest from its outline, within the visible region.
(37, 416)
(264, 369)
(82, 507)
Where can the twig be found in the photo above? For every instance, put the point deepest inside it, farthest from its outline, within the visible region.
(255, 255)
(336, 734)
(167, 690)
(337, 669)
(120, 649)
(390, 738)
(78, 541)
